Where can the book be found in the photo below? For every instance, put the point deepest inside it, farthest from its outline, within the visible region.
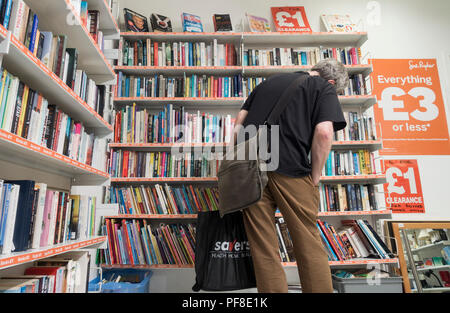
(257, 24)
(191, 23)
(160, 23)
(337, 23)
(222, 23)
(135, 22)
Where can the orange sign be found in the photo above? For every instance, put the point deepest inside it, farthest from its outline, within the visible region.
(290, 19)
(403, 191)
(410, 107)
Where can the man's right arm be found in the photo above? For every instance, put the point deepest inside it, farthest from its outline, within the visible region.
(320, 149)
(240, 119)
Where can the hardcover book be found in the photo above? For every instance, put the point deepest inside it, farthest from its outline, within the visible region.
(160, 23)
(258, 24)
(135, 22)
(337, 23)
(222, 23)
(191, 23)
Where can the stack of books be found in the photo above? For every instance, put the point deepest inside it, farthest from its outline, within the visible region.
(172, 125)
(158, 199)
(193, 86)
(154, 53)
(359, 162)
(124, 163)
(134, 242)
(34, 216)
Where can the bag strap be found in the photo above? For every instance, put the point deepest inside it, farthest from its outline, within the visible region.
(284, 100)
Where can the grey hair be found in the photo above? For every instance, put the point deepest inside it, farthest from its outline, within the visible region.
(332, 69)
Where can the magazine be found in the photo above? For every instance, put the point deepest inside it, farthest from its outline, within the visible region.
(135, 22)
(258, 24)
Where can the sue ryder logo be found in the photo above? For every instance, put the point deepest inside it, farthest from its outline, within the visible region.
(234, 246)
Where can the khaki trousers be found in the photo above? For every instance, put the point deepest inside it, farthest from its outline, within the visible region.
(298, 201)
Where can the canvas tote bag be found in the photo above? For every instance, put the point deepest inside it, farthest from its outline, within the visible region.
(242, 175)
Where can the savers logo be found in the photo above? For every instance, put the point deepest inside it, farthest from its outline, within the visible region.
(234, 246)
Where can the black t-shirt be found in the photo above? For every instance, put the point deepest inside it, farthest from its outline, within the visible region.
(314, 101)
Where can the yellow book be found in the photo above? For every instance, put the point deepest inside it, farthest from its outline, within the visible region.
(23, 110)
(155, 245)
(362, 164)
(139, 199)
(367, 161)
(36, 42)
(133, 122)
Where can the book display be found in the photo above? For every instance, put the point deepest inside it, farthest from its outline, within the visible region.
(55, 113)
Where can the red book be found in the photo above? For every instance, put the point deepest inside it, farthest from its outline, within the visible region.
(340, 242)
(135, 50)
(55, 271)
(187, 245)
(112, 247)
(171, 244)
(127, 241)
(155, 53)
(330, 240)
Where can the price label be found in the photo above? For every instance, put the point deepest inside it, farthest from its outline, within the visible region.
(403, 190)
(290, 19)
(410, 107)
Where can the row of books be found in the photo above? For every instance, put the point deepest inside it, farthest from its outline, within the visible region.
(359, 127)
(135, 242)
(158, 199)
(171, 125)
(53, 51)
(34, 216)
(193, 86)
(357, 85)
(58, 274)
(26, 113)
(348, 197)
(124, 163)
(154, 53)
(89, 19)
(292, 56)
(359, 162)
(355, 239)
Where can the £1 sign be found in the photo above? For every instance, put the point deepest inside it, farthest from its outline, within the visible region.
(290, 19)
(410, 107)
(403, 191)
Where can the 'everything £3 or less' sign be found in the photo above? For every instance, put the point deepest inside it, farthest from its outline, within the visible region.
(410, 107)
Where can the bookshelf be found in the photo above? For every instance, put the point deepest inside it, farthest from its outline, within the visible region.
(358, 103)
(28, 159)
(66, 20)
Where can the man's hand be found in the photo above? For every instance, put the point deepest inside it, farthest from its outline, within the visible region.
(321, 145)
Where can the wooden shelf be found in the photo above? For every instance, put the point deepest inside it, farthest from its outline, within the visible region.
(352, 262)
(364, 69)
(14, 259)
(108, 24)
(296, 39)
(21, 151)
(359, 179)
(194, 216)
(154, 266)
(284, 264)
(180, 70)
(230, 70)
(189, 101)
(22, 63)
(360, 101)
(372, 179)
(154, 216)
(91, 59)
(158, 180)
(371, 145)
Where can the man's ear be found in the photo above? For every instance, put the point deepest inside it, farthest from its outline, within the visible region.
(333, 82)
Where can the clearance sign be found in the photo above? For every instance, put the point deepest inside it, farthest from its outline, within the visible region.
(410, 107)
(403, 191)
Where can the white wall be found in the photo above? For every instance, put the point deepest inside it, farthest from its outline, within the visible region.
(406, 29)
